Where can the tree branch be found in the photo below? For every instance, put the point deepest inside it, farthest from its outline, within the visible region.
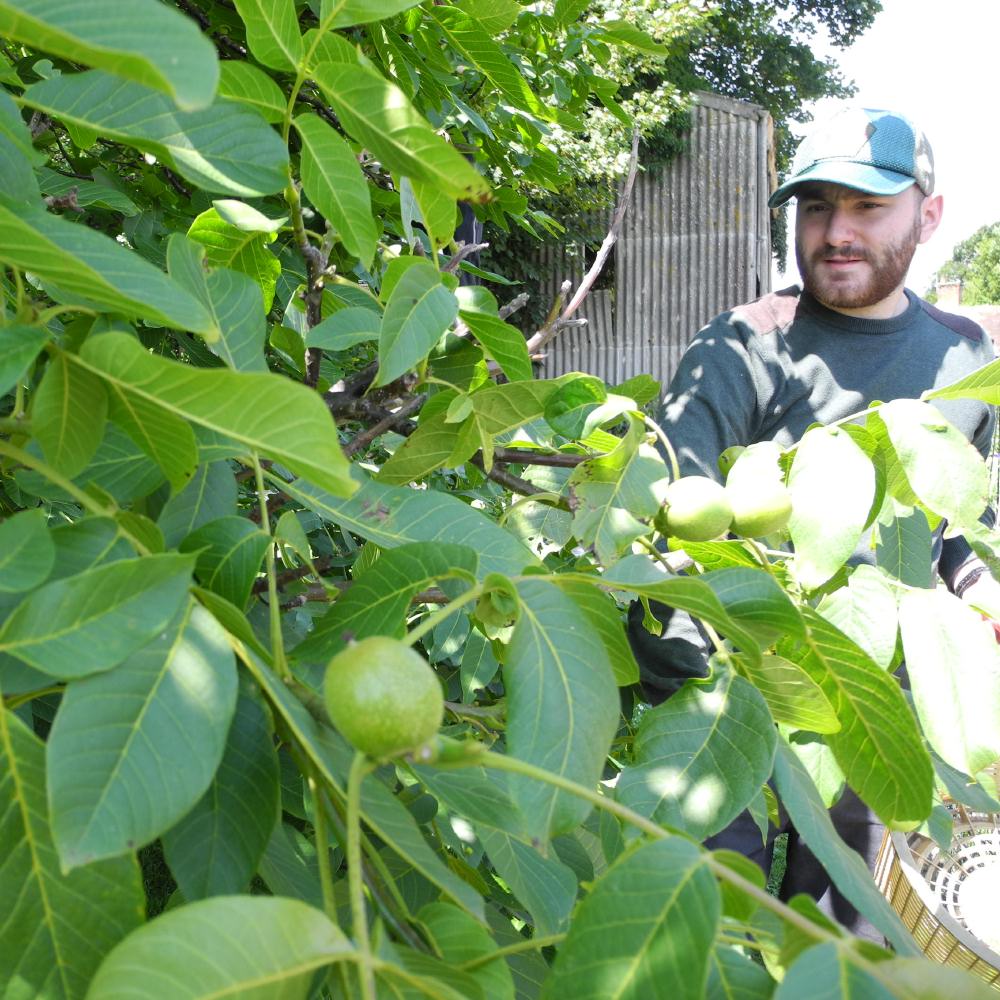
(464, 250)
(550, 329)
(365, 438)
(506, 479)
(519, 456)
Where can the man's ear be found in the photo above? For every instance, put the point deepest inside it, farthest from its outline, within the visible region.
(930, 216)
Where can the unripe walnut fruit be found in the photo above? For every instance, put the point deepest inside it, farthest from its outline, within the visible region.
(383, 697)
(695, 509)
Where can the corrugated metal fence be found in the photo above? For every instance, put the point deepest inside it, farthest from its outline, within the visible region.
(695, 241)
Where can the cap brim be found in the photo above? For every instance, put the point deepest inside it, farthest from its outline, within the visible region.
(861, 176)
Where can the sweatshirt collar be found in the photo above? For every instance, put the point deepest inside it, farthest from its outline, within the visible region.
(859, 324)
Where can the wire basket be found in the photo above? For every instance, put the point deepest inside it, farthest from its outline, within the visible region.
(949, 899)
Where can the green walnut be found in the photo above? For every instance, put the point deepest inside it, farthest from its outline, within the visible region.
(759, 499)
(695, 509)
(383, 697)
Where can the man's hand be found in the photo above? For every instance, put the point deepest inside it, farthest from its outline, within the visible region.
(984, 596)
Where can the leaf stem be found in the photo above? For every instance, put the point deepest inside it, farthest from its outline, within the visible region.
(322, 846)
(274, 605)
(17, 700)
(528, 944)
(28, 460)
(675, 469)
(436, 617)
(14, 424)
(360, 766)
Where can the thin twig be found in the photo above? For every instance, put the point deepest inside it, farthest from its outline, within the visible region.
(509, 308)
(464, 250)
(386, 423)
(543, 336)
(175, 182)
(506, 479)
(519, 456)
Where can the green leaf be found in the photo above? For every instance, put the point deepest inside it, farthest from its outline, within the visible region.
(904, 547)
(56, 927)
(757, 601)
(504, 343)
(210, 494)
(272, 32)
(427, 204)
(845, 866)
(626, 33)
(954, 667)
(18, 156)
(91, 622)
(390, 516)
(289, 865)
(832, 483)
(639, 575)
(545, 886)
(568, 410)
(229, 552)
(334, 183)
(379, 598)
(428, 448)
(27, 552)
(378, 114)
(244, 82)
(474, 793)
(166, 438)
(791, 695)
(922, 979)
(818, 760)
(139, 40)
(983, 384)
(264, 412)
(473, 41)
(88, 542)
(826, 963)
(613, 491)
(118, 467)
(733, 976)
(878, 745)
(865, 611)
(19, 346)
(64, 395)
(81, 265)
(603, 614)
(345, 13)
(234, 300)
(228, 246)
(133, 749)
(457, 938)
(256, 947)
(418, 312)
(925, 443)
(215, 847)
(645, 930)
(225, 147)
(345, 328)
(562, 705)
(100, 192)
(701, 756)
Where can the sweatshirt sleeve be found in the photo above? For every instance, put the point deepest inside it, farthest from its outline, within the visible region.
(711, 402)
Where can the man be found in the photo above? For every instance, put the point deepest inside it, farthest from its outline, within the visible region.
(864, 183)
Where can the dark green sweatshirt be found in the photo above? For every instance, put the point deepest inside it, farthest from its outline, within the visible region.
(769, 369)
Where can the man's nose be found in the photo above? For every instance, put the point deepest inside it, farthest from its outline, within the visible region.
(840, 228)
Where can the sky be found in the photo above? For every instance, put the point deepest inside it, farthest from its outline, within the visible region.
(936, 61)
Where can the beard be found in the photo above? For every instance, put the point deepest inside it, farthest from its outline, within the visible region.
(886, 271)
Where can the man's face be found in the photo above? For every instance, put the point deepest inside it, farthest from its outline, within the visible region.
(854, 249)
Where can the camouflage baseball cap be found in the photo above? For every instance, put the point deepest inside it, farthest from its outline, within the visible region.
(876, 151)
